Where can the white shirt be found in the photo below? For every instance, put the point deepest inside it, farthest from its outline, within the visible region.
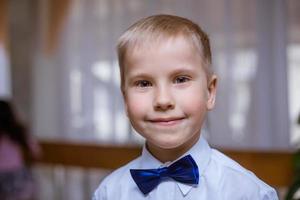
(220, 178)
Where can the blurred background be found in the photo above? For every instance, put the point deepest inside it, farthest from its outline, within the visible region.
(58, 65)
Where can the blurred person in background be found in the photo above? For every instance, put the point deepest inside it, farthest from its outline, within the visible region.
(16, 182)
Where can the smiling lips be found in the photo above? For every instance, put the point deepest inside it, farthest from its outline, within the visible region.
(166, 121)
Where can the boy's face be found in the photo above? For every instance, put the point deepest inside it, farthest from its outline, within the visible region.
(167, 94)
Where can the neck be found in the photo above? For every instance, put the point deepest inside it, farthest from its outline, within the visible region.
(165, 155)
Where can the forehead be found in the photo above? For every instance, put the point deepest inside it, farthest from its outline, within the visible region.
(153, 47)
(164, 57)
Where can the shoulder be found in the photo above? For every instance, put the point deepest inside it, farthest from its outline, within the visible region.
(234, 180)
(112, 183)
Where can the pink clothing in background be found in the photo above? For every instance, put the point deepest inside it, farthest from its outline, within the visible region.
(11, 156)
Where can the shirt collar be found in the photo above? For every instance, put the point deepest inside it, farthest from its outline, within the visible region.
(201, 153)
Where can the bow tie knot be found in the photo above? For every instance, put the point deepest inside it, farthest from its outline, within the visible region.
(163, 172)
(184, 170)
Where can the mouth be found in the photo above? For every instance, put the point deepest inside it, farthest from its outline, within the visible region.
(167, 121)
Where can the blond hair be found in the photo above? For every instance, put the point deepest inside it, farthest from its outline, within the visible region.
(156, 28)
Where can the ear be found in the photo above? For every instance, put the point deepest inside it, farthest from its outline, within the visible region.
(125, 102)
(126, 108)
(212, 91)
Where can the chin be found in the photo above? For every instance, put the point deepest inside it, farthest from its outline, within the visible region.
(168, 145)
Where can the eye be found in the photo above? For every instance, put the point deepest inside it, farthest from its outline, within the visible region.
(181, 79)
(143, 83)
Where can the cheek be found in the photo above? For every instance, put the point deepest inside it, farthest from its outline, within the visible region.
(136, 105)
(194, 105)
(194, 100)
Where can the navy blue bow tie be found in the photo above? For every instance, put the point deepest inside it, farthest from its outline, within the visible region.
(185, 170)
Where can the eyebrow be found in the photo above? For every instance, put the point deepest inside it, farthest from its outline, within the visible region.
(133, 77)
(183, 71)
(175, 72)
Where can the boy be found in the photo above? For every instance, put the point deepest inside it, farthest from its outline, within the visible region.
(168, 87)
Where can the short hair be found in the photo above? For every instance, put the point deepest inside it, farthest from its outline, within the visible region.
(156, 28)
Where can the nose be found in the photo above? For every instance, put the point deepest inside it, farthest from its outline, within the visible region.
(163, 99)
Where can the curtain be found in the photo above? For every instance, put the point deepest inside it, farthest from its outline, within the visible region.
(5, 87)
